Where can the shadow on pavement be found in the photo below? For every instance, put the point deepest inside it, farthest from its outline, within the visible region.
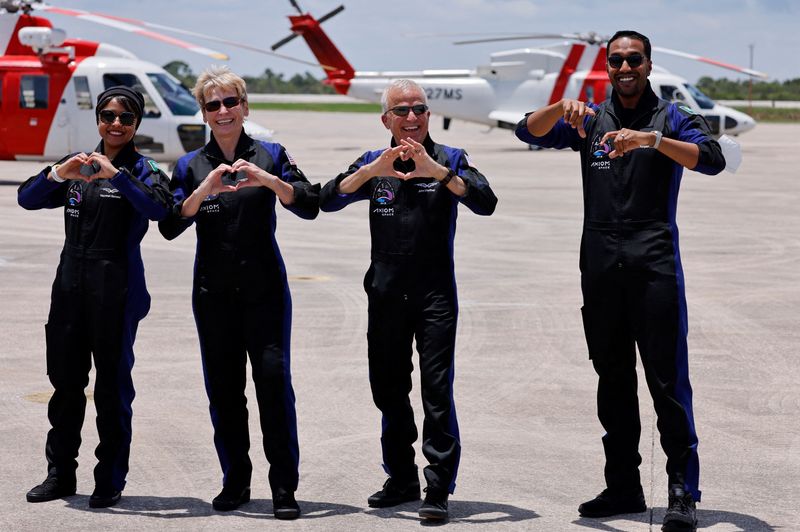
(180, 507)
(461, 512)
(705, 519)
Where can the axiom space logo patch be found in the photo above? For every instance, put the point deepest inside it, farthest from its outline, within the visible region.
(601, 150)
(384, 193)
(74, 195)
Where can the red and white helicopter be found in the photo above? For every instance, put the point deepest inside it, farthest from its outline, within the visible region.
(48, 87)
(516, 81)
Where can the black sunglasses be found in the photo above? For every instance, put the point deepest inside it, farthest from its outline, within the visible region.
(126, 118)
(403, 110)
(214, 105)
(633, 60)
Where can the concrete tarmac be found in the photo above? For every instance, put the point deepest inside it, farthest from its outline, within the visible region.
(525, 388)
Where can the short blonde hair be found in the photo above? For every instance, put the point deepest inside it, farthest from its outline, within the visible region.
(220, 77)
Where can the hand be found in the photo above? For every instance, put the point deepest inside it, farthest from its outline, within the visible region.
(424, 165)
(213, 184)
(574, 113)
(71, 168)
(384, 164)
(254, 176)
(107, 170)
(626, 140)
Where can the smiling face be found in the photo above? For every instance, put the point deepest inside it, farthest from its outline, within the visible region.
(225, 123)
(629, 83)
(115, 135)
(410, 126)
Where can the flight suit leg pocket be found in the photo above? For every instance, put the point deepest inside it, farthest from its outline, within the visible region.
(597, 331)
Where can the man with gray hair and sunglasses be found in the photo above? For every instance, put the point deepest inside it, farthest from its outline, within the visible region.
(413, 188)
(634, 148)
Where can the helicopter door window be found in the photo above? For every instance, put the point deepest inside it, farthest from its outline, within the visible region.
(33, 92)
(83, 96)
(130, 80)
(670, 93)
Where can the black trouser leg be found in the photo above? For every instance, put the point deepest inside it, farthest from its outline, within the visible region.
(224, 361)
(436, 337)
(68, 364)
(268, 330)
(113, 397)
(661, 337)
(612, 350)
(389, 338)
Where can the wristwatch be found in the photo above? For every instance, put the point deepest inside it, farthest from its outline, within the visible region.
(657, 143)
(54, 174)
(450, 175)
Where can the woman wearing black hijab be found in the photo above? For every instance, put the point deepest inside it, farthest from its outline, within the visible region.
(99, 293)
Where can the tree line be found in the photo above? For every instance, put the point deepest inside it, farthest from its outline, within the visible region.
(269, 82)
(726, 89)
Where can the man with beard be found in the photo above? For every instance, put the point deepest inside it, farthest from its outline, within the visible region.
(633, 148)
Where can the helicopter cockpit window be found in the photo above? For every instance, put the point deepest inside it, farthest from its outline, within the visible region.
(130, 80)
(702, 100)
(179, 100)
(670, 93)
(83, 97)
(33, 92)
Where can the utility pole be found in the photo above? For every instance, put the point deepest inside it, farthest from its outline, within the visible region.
(750, 87)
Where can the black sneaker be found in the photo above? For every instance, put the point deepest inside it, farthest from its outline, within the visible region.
(231, 498)
(394, 493)
(435, 505)
(612, 502)
(104, 498)
(681, 514)
(51, 489)
(284, 505)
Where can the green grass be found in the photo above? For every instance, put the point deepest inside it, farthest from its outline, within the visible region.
(769, 114)
(344, 107)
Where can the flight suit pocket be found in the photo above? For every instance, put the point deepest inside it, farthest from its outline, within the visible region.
(597, 333)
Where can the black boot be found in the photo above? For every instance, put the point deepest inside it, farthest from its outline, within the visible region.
(435, 505)
(104, 498)
(52, 488)
(612, 502)
(284, 505)
(231, 498)
(681, 513)
(394, 492)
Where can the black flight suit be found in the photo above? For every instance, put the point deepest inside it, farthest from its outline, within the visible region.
(242, 305)
(632, 279)
(411, 290)
(98, 298)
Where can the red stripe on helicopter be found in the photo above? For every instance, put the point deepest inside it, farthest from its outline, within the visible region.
(596, 78)
(567, 69)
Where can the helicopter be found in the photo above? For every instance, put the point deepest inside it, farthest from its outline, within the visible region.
(516, 81)
(48, 84)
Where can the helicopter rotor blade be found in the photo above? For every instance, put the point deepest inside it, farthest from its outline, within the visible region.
(320, 20)
(741, 70)
(138, 27)
(132, 26)
(522, 37)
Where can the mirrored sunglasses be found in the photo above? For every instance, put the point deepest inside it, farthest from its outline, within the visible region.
(633, 60)
(125, 118)
(229, 102)
(403, 110)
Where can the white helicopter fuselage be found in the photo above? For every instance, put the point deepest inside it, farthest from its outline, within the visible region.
(523, 80)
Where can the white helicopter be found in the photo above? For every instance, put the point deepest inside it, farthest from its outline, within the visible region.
(48, 86)
(516, 81)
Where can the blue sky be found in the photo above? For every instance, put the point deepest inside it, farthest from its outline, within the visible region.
(383, 35)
